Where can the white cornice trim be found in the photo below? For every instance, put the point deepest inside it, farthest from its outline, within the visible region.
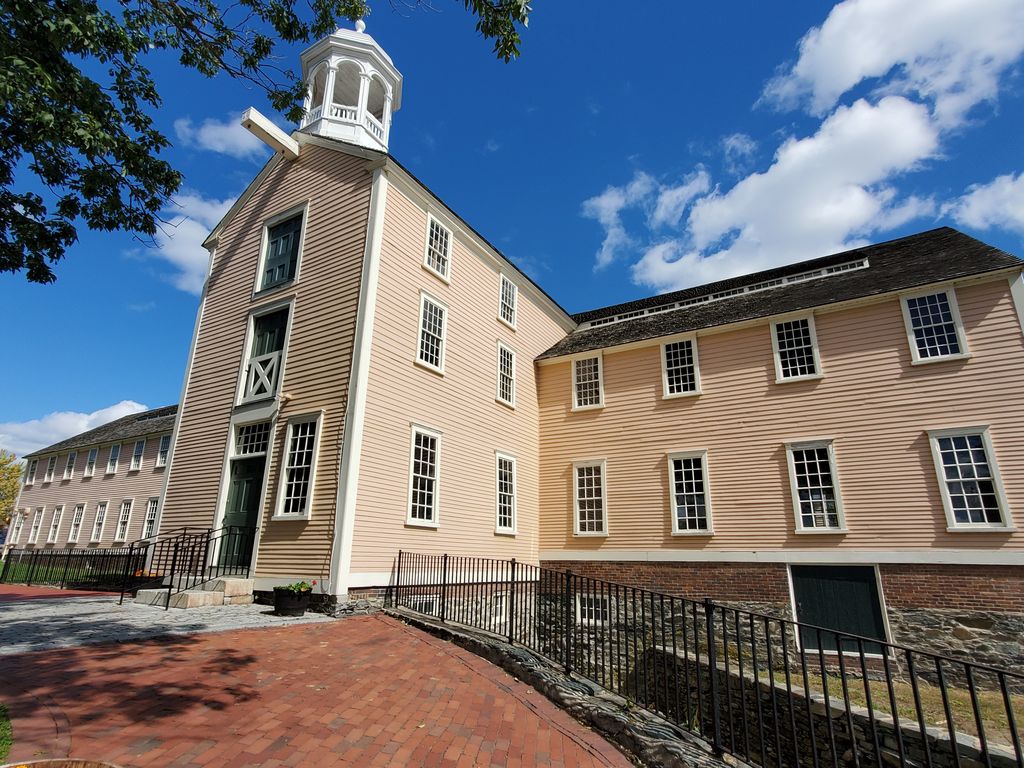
(1017, 292)
(830, 556)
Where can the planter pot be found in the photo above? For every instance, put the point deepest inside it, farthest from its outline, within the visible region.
(289, 603)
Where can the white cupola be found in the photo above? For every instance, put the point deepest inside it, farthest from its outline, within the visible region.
(353, 88)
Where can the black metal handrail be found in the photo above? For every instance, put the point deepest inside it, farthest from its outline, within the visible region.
(770, 690)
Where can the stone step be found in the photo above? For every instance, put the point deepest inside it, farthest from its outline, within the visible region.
(190, 598)
(231, 586)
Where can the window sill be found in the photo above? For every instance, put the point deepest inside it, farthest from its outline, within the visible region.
(679, 395)
(504, 532)
(301, 518)
(421, 524)
(820, 531)
(601, 535)
(981, 529)
(264, 292)
(794, 379)
(435, 273)
(506, 323)
(510, 406)
(428, 367)
(685, 534)
(579, 408)
(943, 359)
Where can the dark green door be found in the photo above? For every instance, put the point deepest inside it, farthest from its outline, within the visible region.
(840, 597)
(242, 511)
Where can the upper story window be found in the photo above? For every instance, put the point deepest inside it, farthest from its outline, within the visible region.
(163, 450)
(508, 296)
(587, 384)
(506, 376)
(815, 487)
(972, 491)
(90, 462)
(97, 524)
(933, 327)
(149, 525)
(137, 453)
(30, 473)
(76, 523)
(438, 255)
(300, 468)
(506, 493)
(37, 523)
(51, 465)
(433, 321)
(424, 476)
(796, 350)
(123, 520)
(69, 466)
(688, 485)
(679, 369)
(263, 369)
(58, 513)
(281, 259)
(112, 459)
(589, 495)
(17, 525)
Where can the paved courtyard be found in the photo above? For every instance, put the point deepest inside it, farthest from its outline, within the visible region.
(361, 691)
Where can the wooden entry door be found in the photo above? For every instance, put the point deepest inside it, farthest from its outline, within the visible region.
(242, 509)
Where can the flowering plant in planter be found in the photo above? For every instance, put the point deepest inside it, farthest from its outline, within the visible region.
(298, 586)
(292, 599)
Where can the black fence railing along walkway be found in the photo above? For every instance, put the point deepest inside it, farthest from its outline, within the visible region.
(771, 691)
(102, 570)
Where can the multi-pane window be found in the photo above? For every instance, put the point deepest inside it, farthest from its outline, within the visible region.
(51, 465)
(679, 366)
(163, 450)
(30, 474)
(69, 467)
(263, 369)
(592, 609)
(137, 453)
(90, 462)
(252, 439)
(587, 390)
(37, 523)
(688, 484)
(423, 477)
(16, 526)
(433, 316)
(58, 513)
(438, 257)
(814, 486)
(506, 477)
(507, 301)
(933, 324)
(76, 523)
(588, 478)
(149, 524)
(282, 257)
(297, 489)
(795, 349)
(115, 454)
(969, 479)
(97, 524)
(123, 519)
(506, 375)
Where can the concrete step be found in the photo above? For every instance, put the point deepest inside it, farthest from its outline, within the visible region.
(231, 586)
(190, 598)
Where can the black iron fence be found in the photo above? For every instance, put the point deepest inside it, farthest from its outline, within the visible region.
(772, 691)
(93, 569)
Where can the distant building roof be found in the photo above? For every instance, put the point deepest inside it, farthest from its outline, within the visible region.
(126, 428)
(903, 264)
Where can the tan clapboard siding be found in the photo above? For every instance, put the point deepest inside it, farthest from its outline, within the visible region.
(318, 354)
(871, 402)
(141, 485)
(461, 404)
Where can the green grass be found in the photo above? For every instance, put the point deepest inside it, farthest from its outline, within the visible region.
(6, 735)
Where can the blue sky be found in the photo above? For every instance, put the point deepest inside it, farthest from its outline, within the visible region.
(620, 156)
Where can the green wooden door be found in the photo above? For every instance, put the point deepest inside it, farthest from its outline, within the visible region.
(242, 510)
(840, 597)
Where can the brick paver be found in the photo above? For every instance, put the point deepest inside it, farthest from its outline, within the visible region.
(10, 593)
(364, 691)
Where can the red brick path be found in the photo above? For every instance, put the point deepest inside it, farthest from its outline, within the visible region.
(366, 691)
(10, 593)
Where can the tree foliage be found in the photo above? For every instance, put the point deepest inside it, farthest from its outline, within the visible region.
(78, 145)
(10, 484)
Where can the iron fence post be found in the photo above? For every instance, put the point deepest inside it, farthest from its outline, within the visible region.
(67, 565)
(511, 605)
(174, 565)
(398, 582)
(444, 586)
(567, 621)
(716, 725)
(127, 570)
(32, 567)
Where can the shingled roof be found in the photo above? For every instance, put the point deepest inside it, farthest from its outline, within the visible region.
(137, 425)
(897, 265)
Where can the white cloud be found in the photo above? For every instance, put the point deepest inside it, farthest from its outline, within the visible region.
(607, 208)
(999, 204)
(180, 241)
(948, 52)
(23, 437)
(226, 137)
(672, 200)
(738, 149)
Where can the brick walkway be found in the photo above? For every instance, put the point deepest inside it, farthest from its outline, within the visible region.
(364, 691)
(11, 593)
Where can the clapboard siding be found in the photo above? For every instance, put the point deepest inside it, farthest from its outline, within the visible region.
(872, 403)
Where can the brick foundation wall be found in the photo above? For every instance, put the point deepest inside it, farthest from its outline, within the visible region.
(957, 587)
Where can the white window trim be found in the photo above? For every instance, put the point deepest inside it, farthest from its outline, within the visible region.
(600, 380)
(57, 517)
(33, 531)
(952, 526)
(605, 599)
(69, 466)
(128, 524)
(444, 277)
(603, 464)
(113, 470)
(17, 524)
(303, 208)
(954, 308)
(820, 374)
(409, 519)
(829, 445)
(95, 537)
(424, 298)
(257, 312)
(155, 508)
(30, 471)
(74, 536)
(162, 462)
(304, 418)
(502, 279)
(701, 454)
(141, 455)
(513, 531)
(51, 469)
(89, 471)
(497, 384)
(665, 395)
